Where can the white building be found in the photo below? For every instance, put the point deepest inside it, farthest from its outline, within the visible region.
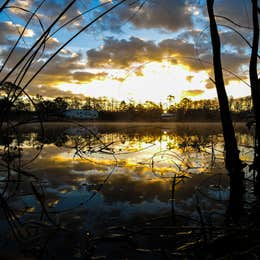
(168, 116)
(81, 114)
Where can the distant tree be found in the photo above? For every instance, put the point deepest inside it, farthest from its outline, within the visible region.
(139, 108)
(150, 105)
(61, 104)
(131, 108)
(22, 105)
(74, 103)
(184, 104)
(170, 99)
(123, 106)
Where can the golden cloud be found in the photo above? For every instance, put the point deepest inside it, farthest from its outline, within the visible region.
(192, 92)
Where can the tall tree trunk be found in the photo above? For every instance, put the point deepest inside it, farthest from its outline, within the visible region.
(232, 160)
(255, 88)
(232, 153)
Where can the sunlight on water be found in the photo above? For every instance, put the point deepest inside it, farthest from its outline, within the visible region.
(118, 173)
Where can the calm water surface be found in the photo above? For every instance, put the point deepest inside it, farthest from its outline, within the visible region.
(94, 176)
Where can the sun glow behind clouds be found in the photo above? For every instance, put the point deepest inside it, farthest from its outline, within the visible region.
(156, 82)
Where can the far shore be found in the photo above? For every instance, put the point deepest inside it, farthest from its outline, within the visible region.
(119, 123)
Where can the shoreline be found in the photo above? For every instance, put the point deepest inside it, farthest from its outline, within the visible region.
(58, 124)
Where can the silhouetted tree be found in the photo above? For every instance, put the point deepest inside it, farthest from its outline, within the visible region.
(255, 87)
(60, 104)
(232, 160)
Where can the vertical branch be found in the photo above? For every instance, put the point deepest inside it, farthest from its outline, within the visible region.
(232, 160)
(255, 86)
(173, 199)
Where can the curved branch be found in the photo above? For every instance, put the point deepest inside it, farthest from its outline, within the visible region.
(241, 35)
(38, 41)
(231, 21)
(22, 33)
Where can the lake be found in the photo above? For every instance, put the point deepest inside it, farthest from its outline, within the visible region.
(73, 180)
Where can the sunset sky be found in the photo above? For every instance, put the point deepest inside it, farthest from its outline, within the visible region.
(143, 50)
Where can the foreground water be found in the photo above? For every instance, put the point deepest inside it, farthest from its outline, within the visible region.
(89, 178)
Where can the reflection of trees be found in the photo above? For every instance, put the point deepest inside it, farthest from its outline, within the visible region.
(87, 142)
(182, 136)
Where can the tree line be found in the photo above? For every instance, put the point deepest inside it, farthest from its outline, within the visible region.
(112, 109)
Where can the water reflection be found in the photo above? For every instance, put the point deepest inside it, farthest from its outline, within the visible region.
(93, 176)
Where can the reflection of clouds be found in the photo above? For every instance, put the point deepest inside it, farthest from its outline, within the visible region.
(135, 188)
(98, 212)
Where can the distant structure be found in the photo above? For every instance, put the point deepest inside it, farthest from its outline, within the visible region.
(168, 116)
(81, 114)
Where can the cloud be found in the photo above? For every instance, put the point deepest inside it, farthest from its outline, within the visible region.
(189, 78)
(85, 77)
(237, 10)
(52, 43)
(236, 42)
(124, 53)
(18, 53)
(233, 61)
(192, 92)
(164, 14)
(48, 11)
(22, 8)
(9, 29)
(65, 68)
(70, 14)
(61, 64)
(50, 92)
